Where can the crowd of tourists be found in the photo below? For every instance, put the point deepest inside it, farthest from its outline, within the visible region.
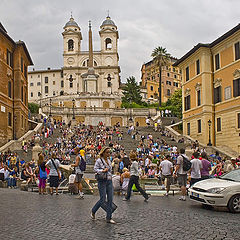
(103, 146)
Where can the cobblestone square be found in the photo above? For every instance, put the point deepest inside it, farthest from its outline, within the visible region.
(26, 215)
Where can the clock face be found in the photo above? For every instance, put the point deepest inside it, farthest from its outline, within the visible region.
(70, 60)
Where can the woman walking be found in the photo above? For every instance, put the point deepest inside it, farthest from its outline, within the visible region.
(134, 179)
(103, 167)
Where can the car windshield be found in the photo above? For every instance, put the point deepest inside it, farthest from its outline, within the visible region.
(232, 176)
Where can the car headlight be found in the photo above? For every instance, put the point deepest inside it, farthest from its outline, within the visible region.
(216, 190)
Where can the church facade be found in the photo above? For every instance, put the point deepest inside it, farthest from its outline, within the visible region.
(84, 73)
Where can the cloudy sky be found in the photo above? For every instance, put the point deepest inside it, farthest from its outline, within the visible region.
(177, 25)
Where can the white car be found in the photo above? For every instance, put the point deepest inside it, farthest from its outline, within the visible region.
(222, 192)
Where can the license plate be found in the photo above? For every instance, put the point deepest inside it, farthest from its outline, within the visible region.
(195, 195)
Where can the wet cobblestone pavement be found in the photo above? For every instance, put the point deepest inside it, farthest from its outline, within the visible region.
(26, 215)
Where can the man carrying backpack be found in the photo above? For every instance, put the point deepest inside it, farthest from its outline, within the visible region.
(183, 165)
(80, 167)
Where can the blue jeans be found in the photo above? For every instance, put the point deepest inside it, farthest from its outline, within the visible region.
(105, 188)
(12, 182)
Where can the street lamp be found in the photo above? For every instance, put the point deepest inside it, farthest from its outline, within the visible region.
(40, 95)
(209, 127)
(50, 108)
(73, 101)
(130, 115)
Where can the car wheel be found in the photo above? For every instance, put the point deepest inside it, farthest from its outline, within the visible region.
(206, 206)
(234, 204)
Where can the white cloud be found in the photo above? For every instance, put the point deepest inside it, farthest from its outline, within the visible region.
(143, 25)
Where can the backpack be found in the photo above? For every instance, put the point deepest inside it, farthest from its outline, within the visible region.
(42, 174)
(82, 164)
(186, 164)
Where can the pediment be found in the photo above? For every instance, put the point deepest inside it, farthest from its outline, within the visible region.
(217, 82)
(236, 74)
(198, 86)
(187, 91)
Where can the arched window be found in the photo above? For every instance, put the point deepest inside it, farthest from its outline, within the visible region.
(70, 45)
(108, 42)
(86, 62)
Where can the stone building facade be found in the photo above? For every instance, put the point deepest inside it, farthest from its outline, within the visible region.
(73, 77)
(171, 80)
(14, 61)
(211, 91)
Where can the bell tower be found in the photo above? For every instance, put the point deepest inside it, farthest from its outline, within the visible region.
(71, 42)
(109, 36)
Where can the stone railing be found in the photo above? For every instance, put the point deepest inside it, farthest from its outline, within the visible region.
(189, 141)
(87, 110)
(16, 144)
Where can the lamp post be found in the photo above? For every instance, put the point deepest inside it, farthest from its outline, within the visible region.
(50, 108)
(40, 95)
(209, 128)
(73, 101)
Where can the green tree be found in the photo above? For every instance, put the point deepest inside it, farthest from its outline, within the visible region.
(161, 58)
(176, 103)
(33, 107)
(131, 92)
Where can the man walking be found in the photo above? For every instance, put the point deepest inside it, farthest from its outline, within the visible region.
(134, 172)
(79, 170)
(196, 168)
(166, 168)
(181, 174)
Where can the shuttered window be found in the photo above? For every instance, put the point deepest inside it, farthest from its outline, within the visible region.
(199, 97)
(188, 128)
(238, 120)
(217, 94)
(237, 51)
(187, 73)
(199, 126)
(219, 128)
(217, 62)
(187, 103)
(236, 87)
(198, 66)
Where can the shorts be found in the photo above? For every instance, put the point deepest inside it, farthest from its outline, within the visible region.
(169, 178)
(182, 180)
(54, 181)
(78, 178)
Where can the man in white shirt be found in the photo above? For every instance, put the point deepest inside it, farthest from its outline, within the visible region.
(181, 174)
(195, 169)
(5, 171)
(166, 167)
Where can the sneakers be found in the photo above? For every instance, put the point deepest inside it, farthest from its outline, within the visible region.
(125, 199)
(111, 221)
(146, 199)
(182, 198)
(80, 197)
(93, 216)
(166, 194)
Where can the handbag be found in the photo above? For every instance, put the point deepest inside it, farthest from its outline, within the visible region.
(104, 206)
(42, 174)
(101, 175)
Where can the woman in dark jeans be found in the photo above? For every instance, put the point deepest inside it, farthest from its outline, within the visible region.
(105, 187)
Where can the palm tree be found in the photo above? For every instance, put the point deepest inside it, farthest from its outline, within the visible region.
(162, 58)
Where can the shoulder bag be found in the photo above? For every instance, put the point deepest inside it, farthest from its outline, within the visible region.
(100, 176)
